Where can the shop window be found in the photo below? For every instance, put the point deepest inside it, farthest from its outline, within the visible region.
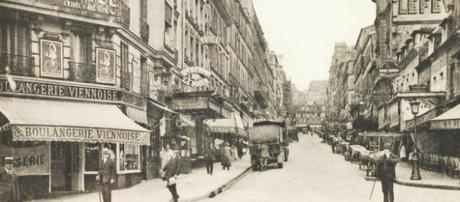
(128, 157)
(92, 152)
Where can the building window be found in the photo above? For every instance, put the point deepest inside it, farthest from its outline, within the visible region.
(169, 29)
(92, 151)
(143, 8)
(128, 157)
(15, 49)
(126, 70)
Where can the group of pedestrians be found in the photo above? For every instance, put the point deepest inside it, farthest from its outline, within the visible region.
(225, 152)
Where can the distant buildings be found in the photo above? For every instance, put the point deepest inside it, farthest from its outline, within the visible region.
(310, 105)
(410, 55)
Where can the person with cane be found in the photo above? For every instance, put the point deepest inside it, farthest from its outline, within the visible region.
(106, 175)
(385, 172)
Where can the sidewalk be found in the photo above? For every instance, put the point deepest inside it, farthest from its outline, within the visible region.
(190, 187)
(429, 179)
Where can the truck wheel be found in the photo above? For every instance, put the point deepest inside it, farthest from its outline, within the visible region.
(280, 165)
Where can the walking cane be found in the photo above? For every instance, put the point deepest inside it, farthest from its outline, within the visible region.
(99, 192)
(372, 191)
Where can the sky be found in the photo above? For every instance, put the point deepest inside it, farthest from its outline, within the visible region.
(305, 31)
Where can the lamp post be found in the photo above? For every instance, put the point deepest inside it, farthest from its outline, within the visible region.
(414, 105)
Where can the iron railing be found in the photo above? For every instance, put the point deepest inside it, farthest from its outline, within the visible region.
(82, 72)
(18, 65)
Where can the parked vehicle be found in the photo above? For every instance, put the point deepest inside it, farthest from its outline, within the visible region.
(271, 134)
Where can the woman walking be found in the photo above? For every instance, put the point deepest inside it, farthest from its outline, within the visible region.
(226, 156)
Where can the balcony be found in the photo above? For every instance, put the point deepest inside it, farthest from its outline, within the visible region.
(144, 30)
(82, 72)
(115, 10)
(19, 65)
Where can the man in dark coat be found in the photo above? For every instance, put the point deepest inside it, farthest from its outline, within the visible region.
(172, 171)
(239, 147)
(210, 157)
(9, 188)
(385, 171)
(106, 175)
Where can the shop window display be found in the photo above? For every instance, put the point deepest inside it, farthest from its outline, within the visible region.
(92, 157)
(128, 157)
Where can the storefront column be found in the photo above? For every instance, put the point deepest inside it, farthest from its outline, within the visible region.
(200, 137)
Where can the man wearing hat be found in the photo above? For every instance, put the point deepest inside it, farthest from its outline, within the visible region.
(385, 171)
(106, 175)
(9, 188)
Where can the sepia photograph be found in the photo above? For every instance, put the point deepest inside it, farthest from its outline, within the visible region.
(229, 100)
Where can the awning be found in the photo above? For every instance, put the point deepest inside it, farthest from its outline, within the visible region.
(232, 125)
(51, 120)
(186, 121)
(163, 107)
(447, 120)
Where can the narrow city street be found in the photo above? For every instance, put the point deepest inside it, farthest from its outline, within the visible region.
(313, 174)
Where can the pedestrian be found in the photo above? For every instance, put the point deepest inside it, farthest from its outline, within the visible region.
(385, 172)
(239, 147)
(172, 171)
(166, 154)
(9, 187)
(226, 156)
(210, 157)
(106, 175)
(264, 155)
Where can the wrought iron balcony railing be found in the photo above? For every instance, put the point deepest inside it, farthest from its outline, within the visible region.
(82, 72)
(115, 9)
(18, 65)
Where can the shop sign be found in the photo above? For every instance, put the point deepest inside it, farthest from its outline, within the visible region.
(75, 134)
(51, 59)
(446, 124)
(105, 66)
(32, 160)
(40, 88)
(393, 113)
(418, 88)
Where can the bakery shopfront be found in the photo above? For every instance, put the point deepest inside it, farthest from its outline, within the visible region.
(56, 140)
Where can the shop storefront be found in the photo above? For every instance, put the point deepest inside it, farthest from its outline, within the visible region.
(57, 144)
(225, 130)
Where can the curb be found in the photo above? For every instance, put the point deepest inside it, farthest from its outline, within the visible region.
(414, 184)
(221, 188)
(431, 186)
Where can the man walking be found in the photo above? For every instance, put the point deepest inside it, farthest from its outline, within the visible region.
(106, 175)
(9, 188)
(210, 157)
(172, 171)
(385, 171)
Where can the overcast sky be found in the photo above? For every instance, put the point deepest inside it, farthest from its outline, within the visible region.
(305, 31)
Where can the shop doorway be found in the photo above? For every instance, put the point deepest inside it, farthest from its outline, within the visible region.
(65, 167)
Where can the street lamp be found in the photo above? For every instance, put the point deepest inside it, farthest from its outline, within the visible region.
(414, 105)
